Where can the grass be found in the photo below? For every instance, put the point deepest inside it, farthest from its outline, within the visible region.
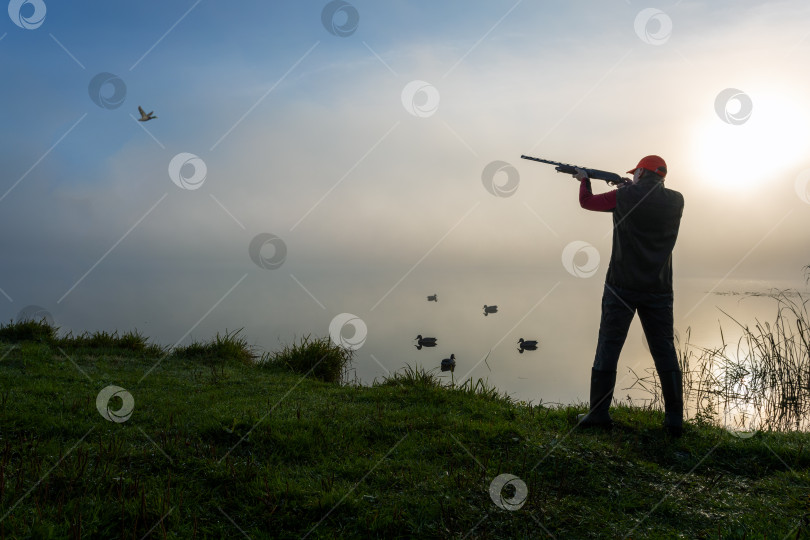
(28, 330)
(40, 331)
(318, 357)
(260, 449)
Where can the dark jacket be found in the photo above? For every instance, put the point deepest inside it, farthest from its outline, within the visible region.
(645, 226)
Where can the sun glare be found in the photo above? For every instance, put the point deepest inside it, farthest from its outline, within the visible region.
(740, 151)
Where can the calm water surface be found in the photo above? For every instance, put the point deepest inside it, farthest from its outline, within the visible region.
(562, 313)
(557, 309)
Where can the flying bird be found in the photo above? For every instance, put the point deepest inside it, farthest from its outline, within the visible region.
(145, 116)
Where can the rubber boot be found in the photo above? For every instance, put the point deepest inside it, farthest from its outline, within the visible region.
(672, 389)
(602, 383)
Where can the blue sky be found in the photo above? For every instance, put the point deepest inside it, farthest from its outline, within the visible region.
(305, 135)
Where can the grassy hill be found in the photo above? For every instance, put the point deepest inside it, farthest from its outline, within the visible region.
(217, 443)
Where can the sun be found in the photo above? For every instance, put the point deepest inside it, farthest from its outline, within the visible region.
(737, 150)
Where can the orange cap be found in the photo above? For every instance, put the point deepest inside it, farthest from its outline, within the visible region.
(654, 164)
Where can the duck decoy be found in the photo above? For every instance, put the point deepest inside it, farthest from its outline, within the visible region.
(424, 342)
(449, 364)
(524, 345)
(490, 309)
(433, 298)
(145, 116)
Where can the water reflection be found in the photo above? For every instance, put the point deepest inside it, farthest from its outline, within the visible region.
(424, 342)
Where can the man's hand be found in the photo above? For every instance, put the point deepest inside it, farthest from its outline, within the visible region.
(581, 175)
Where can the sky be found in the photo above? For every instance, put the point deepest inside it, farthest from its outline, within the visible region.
(312, 159)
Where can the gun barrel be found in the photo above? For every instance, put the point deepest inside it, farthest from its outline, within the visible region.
(541, 160)
(596, 174)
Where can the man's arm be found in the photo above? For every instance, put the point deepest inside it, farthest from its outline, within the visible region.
(604, 202)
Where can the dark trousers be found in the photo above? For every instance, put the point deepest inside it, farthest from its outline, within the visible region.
(655, 311)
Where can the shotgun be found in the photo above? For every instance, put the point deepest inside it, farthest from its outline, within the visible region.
(609, 177)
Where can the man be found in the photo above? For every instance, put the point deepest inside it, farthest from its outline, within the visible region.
(646, 218)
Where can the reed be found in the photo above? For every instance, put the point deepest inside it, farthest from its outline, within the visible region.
(762, 382)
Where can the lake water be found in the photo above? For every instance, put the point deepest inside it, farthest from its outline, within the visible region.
(561, 312)
(390, 308)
